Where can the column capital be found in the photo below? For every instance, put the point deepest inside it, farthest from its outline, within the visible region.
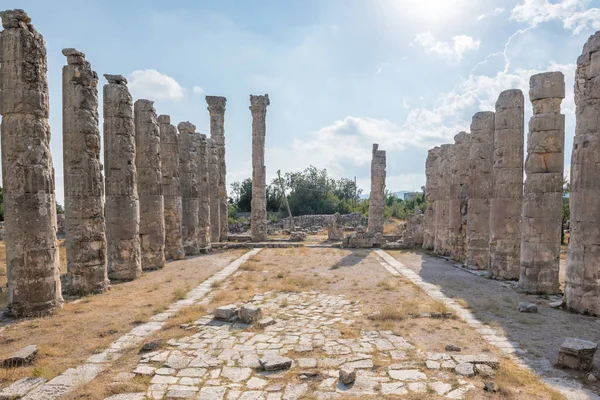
(216, 104)
(259, 102)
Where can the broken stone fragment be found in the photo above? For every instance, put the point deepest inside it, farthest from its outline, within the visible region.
(347, 376)
(275, 363)
(225, 313)
(451, 347)
(20, 388)
(264, 322)
(577, 354)
(298, 236)
(145, 370)
(465, 369)
(489, 387)
(151, 346)
(484, 370)
(22, 357)
(526, 307)
(477, 359)
(118, 79)
(249, 313)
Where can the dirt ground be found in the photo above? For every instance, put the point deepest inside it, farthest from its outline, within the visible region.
(89, 325)
(491, 302)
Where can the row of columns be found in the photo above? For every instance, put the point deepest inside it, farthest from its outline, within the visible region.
(153, 203)
(513, 227)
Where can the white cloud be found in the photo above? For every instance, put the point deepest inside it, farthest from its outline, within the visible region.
(574, 13)
(198, 90)
(151, 84)
(453, 51)
(382, 66)
(497, 11)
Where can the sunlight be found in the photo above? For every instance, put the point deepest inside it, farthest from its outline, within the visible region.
(426, 12)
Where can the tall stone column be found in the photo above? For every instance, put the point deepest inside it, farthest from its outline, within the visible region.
(442, 204)
(150, 189)
(189, 172)
(32, 261)
(582, 287)
(216, 109)
(83, 180)
(377, 195)
(541, 219)
(169, 167)
(258, 216)
(480, 190)
(204, 243)
(459, 195)
(122, 210)
(507, 173)
(431, 182)
(213, 186)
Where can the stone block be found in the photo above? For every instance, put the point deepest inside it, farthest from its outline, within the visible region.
(225, 313)
(249, 313)
(347, 376)
(22, 357)
(577, 354)
(526, 307)
(275, 363)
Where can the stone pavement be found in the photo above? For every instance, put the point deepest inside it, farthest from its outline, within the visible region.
(97, 363)
(220, 360)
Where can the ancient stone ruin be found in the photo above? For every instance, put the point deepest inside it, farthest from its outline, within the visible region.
(216, 109)
(459, 196)
(258, 218)
(149, 175)
(203, 196)
(377, 196)
(543, 190)
(335, 227)
(189, 172)
(83, 179)
(32, 261)
(431, 182)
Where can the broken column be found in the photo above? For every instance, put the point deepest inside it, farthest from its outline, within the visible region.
(169, 167)
(431, 181)
(203, 231)
(149, 176)
(507, 173)
(377, 195)
(582, 286)
(459, 195)
(258, 208)
(480, 190)
(442, 204)
(83, 180)
(122, 203)
(213, 189)
(216, 109)
(32, 261)
(541, 223)
(335, 227)
(189, 173)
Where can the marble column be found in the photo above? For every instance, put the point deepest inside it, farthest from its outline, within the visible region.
(189, 172)
(216, 109)
(377, 195)
(459, 196)
(204, 244)
(258, 216)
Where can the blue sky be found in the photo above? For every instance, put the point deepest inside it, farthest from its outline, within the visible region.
(341, 74)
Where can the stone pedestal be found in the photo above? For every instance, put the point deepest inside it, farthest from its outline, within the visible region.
(169, 150)
(122, 202)
(32, 261)
(258, 216)
(83, 180)
(189, 172)
(582, 286)
(216, 109)
(148, 165)
(377, 195)
(577, 354)
(480, 190)
(541, 219)
(507, 173)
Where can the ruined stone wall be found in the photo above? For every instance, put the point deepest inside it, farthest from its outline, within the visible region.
(216, 109)
(83, 180)
(582, 287)
(310, 221)
(189, 172)
(32, 261)
(431, 182)
(412, 234)
(480, 190)
(258, 218)
(541, 223)
(169, 150)
(213, 188)
(150, 189)
(122, 203)
(459, 194)
(505, 208)
(377, 195)
(442, 204)
(204, 244)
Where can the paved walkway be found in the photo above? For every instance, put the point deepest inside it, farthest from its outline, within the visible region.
(496, 304)
(97, 363)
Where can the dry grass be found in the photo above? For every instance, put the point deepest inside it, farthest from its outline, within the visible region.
(88, 326)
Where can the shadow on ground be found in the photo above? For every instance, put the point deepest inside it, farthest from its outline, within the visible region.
(351, 259)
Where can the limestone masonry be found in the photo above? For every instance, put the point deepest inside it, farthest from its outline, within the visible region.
(83, 180)
(189, 172)
(258, 218)
(377, 196)
(216, 109)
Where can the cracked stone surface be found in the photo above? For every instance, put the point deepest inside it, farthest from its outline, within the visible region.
(220, 360)
(377, 195)
(258, 216)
